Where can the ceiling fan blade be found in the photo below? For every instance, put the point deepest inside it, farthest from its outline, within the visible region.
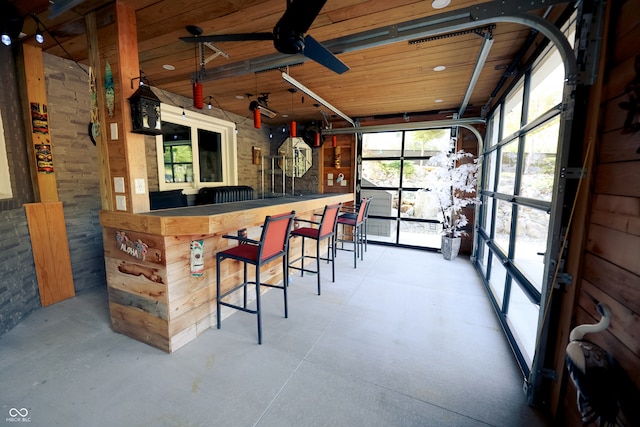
(316, 51)
(300, 14)
(240, 37)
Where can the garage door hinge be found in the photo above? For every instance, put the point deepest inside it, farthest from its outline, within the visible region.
(563, 279)
(549, 373)
(573, 173)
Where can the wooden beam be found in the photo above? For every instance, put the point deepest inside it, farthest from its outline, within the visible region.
(37, 125)
(106, 193)
(129, 69)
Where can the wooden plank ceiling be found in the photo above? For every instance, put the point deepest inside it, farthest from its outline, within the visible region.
(391, 79)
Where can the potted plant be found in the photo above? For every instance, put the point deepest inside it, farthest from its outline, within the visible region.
(452, 182)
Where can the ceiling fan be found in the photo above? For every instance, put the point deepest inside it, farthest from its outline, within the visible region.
(288, 35)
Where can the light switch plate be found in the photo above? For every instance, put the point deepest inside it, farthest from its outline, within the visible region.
(118, 184)
(114, 130)
(121, 203)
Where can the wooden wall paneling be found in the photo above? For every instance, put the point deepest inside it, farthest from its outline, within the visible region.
(140, 325)
(618, 205)
(619, 146)
(620, 284)
(627, 32)
(137, 279)
(617, 221)
(127, 299)
(155, 250)
(619, 78)
(617, 247)
(615, 179)
(50, 248)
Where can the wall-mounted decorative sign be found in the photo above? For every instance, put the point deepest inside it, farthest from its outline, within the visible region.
(39, 118)
(197, 258)
(94, 124)
(257, 155)
(109, 90)
(137, 249)
(44, 158)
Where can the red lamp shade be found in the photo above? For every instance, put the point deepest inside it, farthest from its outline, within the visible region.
(334, 141)
(197, 96)
(256, 118)
(293, 129)
(317, 139)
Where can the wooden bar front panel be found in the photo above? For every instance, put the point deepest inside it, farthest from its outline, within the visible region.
(153, 297)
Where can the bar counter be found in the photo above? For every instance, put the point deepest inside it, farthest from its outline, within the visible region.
(161, 268)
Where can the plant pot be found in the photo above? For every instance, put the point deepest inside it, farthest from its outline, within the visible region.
(450, 247)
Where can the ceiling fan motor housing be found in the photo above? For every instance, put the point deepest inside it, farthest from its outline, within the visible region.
(288, 41)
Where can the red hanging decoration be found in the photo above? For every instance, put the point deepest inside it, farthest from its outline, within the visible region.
(334, 141)
(317, 140)
(197, 96)
(256, 118)
(293, 129)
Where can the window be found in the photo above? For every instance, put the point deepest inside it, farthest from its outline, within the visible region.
(5, 180)
(195, 151)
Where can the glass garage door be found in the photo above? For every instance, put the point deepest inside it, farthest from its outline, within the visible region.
(517, 192)
(394, 165)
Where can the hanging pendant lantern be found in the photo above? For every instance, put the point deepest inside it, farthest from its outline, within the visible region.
(293, 129)
(198, 101)
(256, 118)
(317, 139)
(334, 141)
(145, 111)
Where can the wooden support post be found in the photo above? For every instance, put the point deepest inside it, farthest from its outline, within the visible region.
(131, 162)
(106, 191)
(47, 228)
(37, 126)
(122, 154)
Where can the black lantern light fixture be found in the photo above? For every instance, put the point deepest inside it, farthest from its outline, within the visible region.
(145, 109)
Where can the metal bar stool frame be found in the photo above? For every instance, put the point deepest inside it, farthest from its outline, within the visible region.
(326, 230)
(273, 243)
(355, 218)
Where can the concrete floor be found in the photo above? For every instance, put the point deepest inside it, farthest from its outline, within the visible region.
(406, 339)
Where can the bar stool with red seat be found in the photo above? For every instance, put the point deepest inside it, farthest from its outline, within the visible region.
(326, 230)
(273, 244)
(357, 221)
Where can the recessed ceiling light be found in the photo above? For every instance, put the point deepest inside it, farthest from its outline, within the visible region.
(239, 97)
(439, 68)
(439, 4)
(285, 115)
(438, 100)
(168, 67)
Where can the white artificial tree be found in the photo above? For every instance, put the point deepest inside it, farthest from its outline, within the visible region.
(452, 182)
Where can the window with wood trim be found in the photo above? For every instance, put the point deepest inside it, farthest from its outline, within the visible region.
(195, 151)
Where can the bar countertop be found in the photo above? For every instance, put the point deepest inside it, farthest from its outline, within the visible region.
(214, 218)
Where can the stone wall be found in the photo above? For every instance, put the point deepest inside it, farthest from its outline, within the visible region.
(76, 163)
(77, 179)
(18, 288)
